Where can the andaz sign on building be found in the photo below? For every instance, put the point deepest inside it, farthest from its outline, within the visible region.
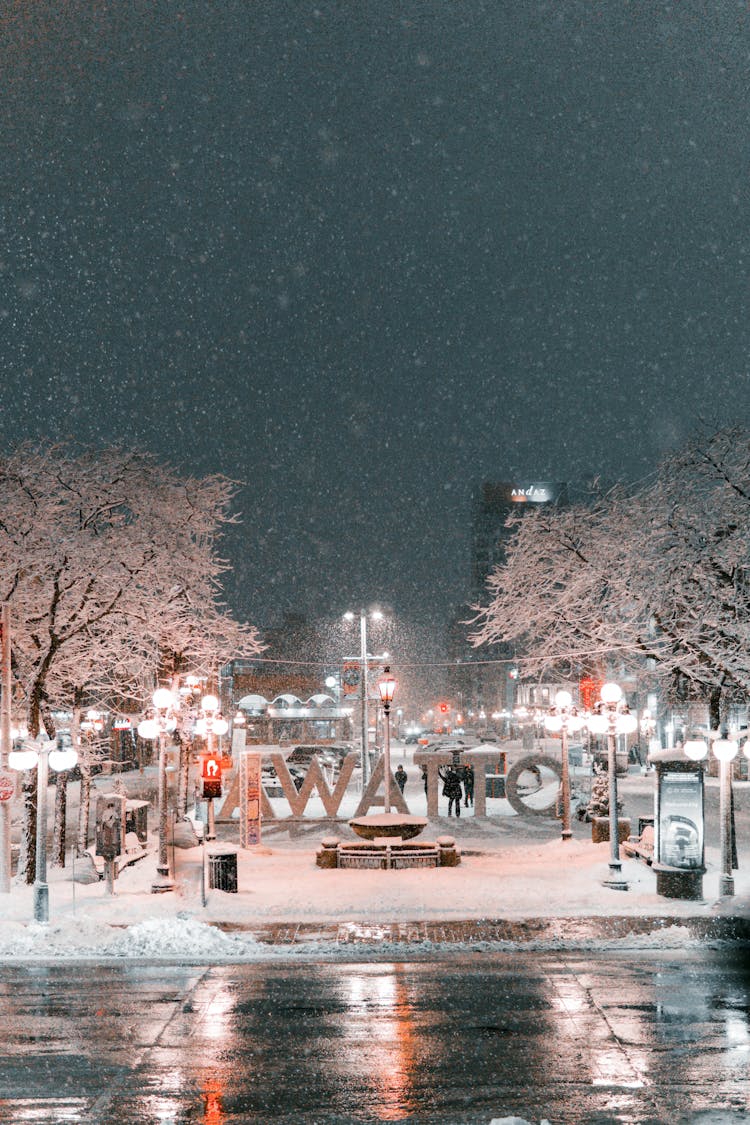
(534, 493)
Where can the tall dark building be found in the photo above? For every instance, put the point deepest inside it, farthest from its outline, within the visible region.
(493, 502)
(482, 680)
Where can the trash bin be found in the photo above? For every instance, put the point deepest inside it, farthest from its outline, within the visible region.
(222, 870)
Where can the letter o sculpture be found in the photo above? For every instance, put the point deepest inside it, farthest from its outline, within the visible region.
(532, 763)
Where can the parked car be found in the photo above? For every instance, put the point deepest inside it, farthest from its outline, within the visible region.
(341, 751)
(271, 783)
(448, 744)
(329, 757)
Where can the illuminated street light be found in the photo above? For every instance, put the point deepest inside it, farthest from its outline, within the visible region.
(564, 718)
(695, 749)
(43, 755)
(387, 689)
(154, 729)
(212, 723)
(612, 717)
(725, 750)
(375, 615)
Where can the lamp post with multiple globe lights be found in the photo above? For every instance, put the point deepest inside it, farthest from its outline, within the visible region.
(725, 750)
(43, 756)
(612, 717)
(564, 717)
(208, 726)
(162, 723)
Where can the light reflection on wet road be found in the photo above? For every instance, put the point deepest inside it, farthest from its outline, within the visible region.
(597, 1038)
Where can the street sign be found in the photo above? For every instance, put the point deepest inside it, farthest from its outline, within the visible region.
(211, 776)
(350, 676)
(7, 786)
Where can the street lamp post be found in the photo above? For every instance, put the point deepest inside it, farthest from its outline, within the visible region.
(6, 780)
(387, 688)
(725, 750)
(157, 729)
(208, 726)
(613, 718)
(564, 717)
(648, 727)
(45, 756)
(376, 615)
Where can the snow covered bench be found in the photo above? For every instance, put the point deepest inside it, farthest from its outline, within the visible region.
(134, 850)
(188, 831)
(641, 847)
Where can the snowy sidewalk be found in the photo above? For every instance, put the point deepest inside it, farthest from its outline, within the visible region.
(534, 894)
(517, 884)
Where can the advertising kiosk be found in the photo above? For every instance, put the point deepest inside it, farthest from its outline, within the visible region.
(679, 860)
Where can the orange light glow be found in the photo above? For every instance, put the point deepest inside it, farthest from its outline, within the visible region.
(213, 1092)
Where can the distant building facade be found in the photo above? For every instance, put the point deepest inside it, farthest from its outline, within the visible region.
(483, 682)
(493, 503)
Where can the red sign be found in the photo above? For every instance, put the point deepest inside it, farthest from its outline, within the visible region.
(210, 767)
(589, 691)
(7, 786)
(211, 775)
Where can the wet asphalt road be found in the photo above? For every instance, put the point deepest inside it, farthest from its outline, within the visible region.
(570, 1037)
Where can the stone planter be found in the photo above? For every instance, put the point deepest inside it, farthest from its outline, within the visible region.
(600, 829)
(328, 853)
(448, 853)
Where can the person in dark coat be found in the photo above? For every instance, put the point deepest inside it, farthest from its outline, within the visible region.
(451, 788)
(425, 779)
(400, 776)
(468, 780)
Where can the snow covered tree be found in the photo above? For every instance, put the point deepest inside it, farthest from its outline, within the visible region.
(653, 576)
(109, 560)
(691, 565)
(598, 804)
(562, 598)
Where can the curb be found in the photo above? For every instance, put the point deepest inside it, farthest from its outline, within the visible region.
(529, 931)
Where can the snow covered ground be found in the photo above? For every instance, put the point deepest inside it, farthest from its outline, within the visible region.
(512, 868)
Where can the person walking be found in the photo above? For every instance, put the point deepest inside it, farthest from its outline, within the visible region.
(451, 789)
(400, 776)
(468, 780)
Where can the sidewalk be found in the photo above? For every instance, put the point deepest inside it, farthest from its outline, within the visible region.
(517, 883)
(528, 932)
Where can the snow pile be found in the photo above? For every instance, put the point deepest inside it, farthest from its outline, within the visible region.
(188, 940)
(52, 941)
(665, 937)
(514, 1121)
(181, 937)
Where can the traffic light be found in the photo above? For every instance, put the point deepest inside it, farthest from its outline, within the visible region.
(444, 708)
(211, 775)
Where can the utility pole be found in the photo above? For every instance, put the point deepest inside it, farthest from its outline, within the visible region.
(364, 691)
(7, 779)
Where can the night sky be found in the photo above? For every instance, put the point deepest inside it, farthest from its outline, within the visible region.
(361, 255)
